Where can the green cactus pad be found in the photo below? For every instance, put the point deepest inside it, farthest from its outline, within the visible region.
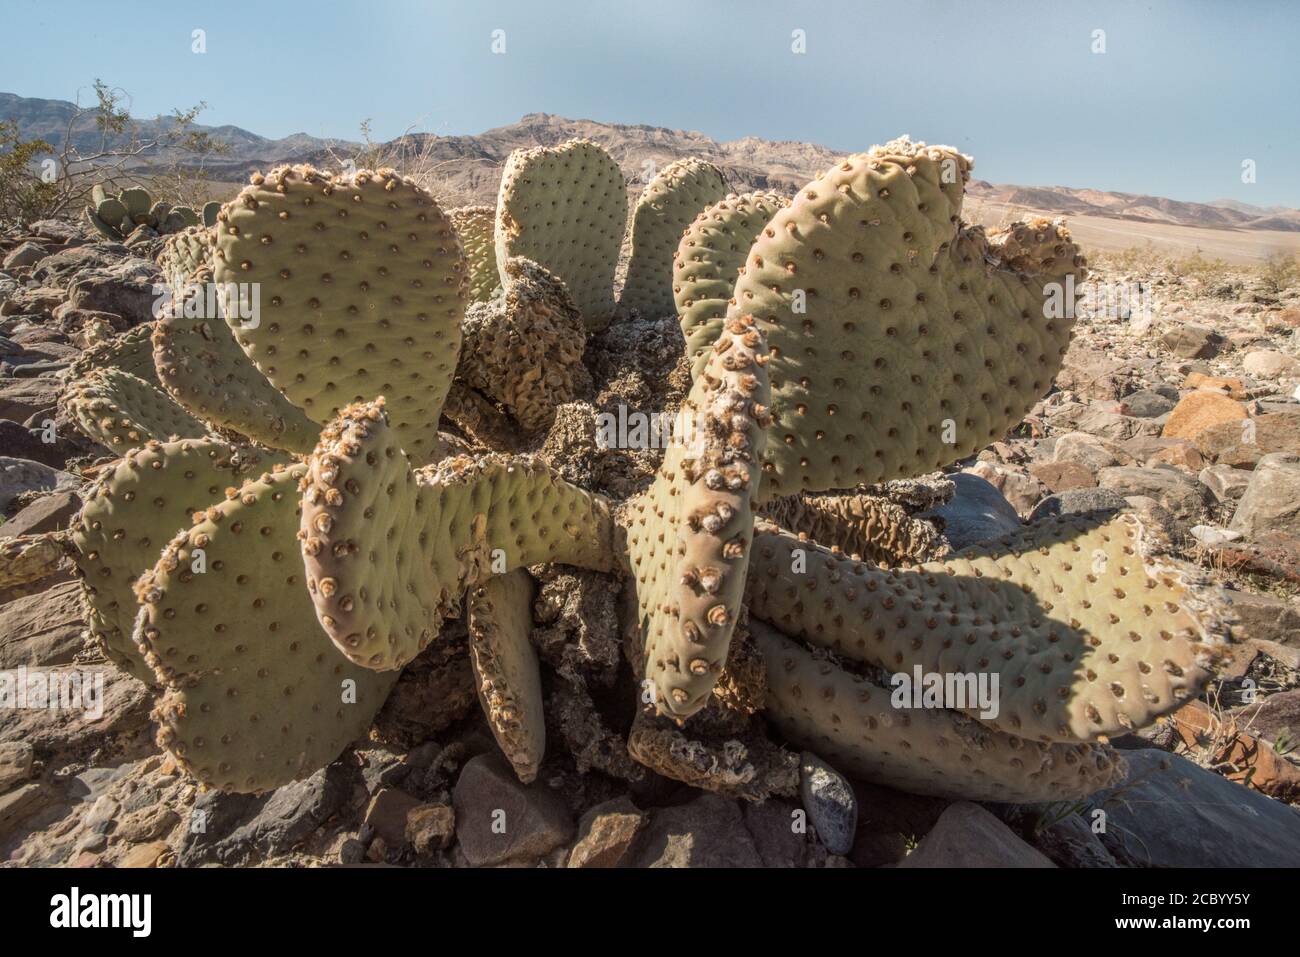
(708, 258)
(688, 535)
(524, 350)
(868, 526)
(565, 208)
(255, 695)
(667, 206)
(123, 411)
(130, 513)
(920, 342)
(362, 289)
(1088, 638)
(184, 253)
(202, 367)
(390, 552)
(209, 214)
(138, 202)
(851, 722)
(506, 671)
(474, 225)
(131, 351)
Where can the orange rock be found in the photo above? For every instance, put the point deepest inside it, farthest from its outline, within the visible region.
(1236, 754)
(1200, 410)
(1182, 455)
(1199, 380)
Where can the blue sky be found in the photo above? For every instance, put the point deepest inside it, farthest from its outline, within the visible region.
(1183, 94)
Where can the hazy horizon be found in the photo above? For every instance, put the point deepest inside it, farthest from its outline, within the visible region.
(1182, 96)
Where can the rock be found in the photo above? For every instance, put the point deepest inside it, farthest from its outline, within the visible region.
(430, 827)
(1180, 493)
(1180, 455)
(1089, 451)
(498, 819)
(1063, 476)
(49, 513)
(1264, 618)
(1271, 502)
(1070, 842)
(1017, 486)
(20, 399)
(605, 833)
(387, 815)
(144, 855)
(1077, 502)
(62, 266)
(1230, 386)
(966, 835)
(976, 512)
(830, 803)
(1094, 376)
(1243, 444)
(1191, 341)
(1146, 404)
(15, 763)
(23, 475)
(888, 821)
(1172, 813)
(771, 825)
(21, 803)
(23, 255)
(42, 629)
(707, 832)
(1270, 364)
(24, 442)
(1276, 717)
(1114, 426)
(1212, 536)
(132, 299)
(1225, 483)
(352, 851)
(147, 824)
(1197, 411)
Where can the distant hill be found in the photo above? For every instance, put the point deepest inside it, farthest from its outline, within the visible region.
(468, 167)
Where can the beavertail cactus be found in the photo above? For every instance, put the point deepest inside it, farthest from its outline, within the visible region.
(869, 527)
(901, 340)
(708, 259)
(255, 696)
(667, 206)
(123, 411)
(361, 292)
(475, 225)
(130, 351)
(115, 218)
(183, 254)
(565, 208)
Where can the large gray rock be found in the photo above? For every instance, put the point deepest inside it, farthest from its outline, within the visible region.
(42, 629)
(1173, 813)
(20, 399)
(499, 819)
(1271, 502)
(1225, 483)
(23, 475)
(1181, 494)
(707, 832)
(1078, 501)
(966, 835)
(1270, 364)
(1091, 451)
(976, 513)
(1192, 341)
(1264, 618)
(49, 513)
(829, 800)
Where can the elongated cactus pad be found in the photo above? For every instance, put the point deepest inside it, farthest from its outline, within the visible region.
(130, 351)
(390, 552)
(870, 527)
(525, 350)
(1087, 637)
(130, 513)
(506, 671)
(202, 367)
(475, 226)
(565, 208)
(901, 341)
(708, 259)
(123, 411)
(667, 206)
(850, 721)
(688, 535)
(362, 289)
(255, 695)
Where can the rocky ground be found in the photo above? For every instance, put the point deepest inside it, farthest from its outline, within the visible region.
(1187, 415)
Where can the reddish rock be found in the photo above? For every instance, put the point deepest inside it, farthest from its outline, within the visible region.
(1197, 411)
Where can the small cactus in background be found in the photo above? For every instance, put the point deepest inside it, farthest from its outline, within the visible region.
(117, 217)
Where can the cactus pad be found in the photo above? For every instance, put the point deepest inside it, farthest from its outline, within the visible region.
(850, 721)
(202, 367)
(870, 527)
(565, 208)
(123, 411)
(506, 671)
(708, 258)
(688, 535)
(362, 289)
(667, 206)
(130, 351)
(255, 695)
(474, 225)
(390, 552)
(901, 341)
(183, 254)
(1088, 638)
(525, 351)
